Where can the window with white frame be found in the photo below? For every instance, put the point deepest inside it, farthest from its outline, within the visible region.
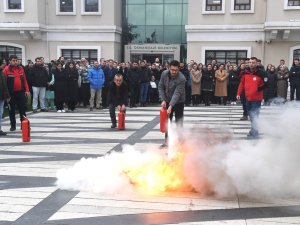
(291, 4)
(224, 56)
(242, 6)
(65, 7)
(91, 7)
(213, 7)
(13, 5)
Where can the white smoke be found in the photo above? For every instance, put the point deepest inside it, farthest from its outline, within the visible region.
(215, 164)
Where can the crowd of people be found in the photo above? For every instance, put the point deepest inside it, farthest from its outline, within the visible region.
(64, 84)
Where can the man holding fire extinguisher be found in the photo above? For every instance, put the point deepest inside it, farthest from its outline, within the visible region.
(117, 98)
(171, 89)
(18, 90)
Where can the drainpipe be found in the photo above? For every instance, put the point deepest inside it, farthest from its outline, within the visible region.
(264, 36)
(46, 24)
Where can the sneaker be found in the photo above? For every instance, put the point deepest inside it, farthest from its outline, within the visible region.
(2, 133)
(59, 111)
(34, 111)
(63, 110)
(44, 110)
(113, 125)
(13, 128)
(244, 118)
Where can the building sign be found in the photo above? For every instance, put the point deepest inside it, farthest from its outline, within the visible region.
(153, 47)
(166, 51)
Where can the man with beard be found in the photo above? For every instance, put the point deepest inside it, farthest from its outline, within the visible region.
(171, 89)
(253, 82)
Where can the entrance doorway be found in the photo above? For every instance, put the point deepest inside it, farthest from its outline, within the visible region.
(163, 58)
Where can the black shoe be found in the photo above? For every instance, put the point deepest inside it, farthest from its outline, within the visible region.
(244, 118)
(34, 111)
(2, 133)
(113, 125)
(44, 110)
(164, 145)
(91, 109)
(13, 128)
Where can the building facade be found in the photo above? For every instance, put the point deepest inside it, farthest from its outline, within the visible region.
(154, 29)
(199, 30)
(228, 30)
(53, 28)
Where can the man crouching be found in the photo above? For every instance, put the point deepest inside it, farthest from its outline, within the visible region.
(117, 97)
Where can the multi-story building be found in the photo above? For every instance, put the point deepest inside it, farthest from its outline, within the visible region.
(200, 30)
(53, 28)
(229, 30)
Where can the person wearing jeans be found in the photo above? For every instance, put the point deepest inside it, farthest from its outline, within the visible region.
(39, 77)
(253, 82)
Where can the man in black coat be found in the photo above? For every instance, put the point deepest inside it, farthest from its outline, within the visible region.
(295, 79)
(117, 97)
(39, 77)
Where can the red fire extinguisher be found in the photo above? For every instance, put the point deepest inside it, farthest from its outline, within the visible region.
(121, 120)
(163, 120)
(25, 130)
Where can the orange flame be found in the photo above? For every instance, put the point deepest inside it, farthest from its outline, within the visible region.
(159, 174)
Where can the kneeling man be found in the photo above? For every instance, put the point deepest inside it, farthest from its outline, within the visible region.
(117, 97)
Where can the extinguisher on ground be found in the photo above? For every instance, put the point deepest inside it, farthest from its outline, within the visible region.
(121, 120)
(163, 120)
(25, 130)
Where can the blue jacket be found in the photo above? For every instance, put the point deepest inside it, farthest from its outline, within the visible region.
(96, 78)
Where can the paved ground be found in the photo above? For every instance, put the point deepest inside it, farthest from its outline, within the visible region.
(28, 195)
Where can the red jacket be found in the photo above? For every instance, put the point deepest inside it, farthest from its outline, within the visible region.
(16, 78)
(252, 84)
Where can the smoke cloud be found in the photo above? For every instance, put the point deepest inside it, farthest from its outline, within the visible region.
(214, 163)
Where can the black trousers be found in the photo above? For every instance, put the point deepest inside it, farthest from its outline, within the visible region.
(207, 97)
(112, 113)
(178, 110)
(17, 99)
(134, 92)
(295, 88)
(85, 93)
(243, 101)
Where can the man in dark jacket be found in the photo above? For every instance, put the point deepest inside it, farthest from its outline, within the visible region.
(39, 77)
(117, 97)
(295, 79)
(145, 76)
(133, 77)
(109, 71)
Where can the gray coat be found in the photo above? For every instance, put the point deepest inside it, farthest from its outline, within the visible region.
(172, 90)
